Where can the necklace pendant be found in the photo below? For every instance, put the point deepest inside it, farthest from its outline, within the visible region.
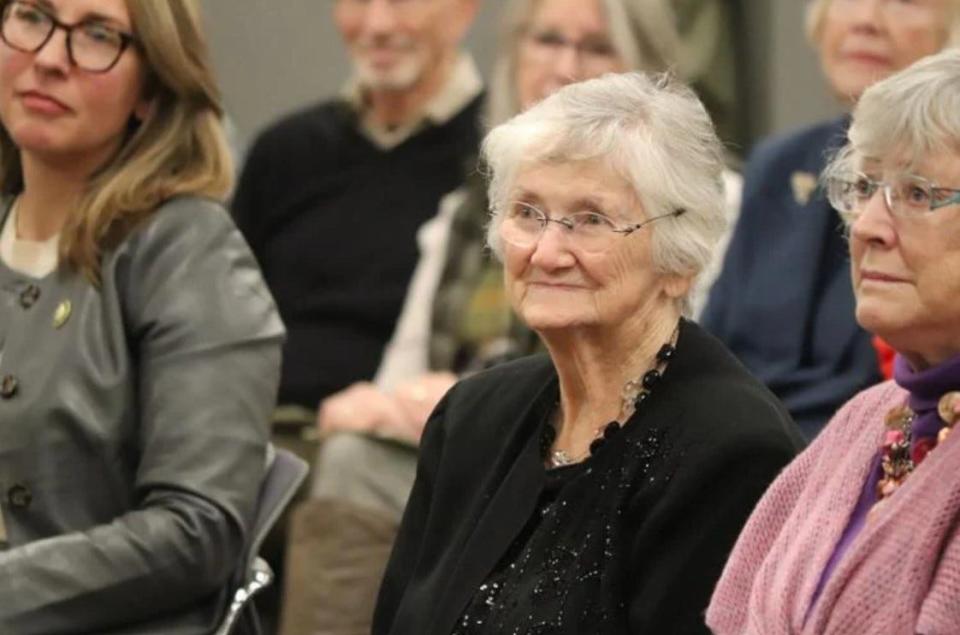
(899, 418)
(559, 458)
(886, 487)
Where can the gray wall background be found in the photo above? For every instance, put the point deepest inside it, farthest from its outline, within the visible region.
(274, 56)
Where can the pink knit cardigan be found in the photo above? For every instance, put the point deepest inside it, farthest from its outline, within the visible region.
(900, 575)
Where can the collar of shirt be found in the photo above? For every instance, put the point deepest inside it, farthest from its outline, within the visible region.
(32, 258)
(463, 85)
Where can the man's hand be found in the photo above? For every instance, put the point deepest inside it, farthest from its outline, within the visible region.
(365, 408)
(419, 397)
(362, 407)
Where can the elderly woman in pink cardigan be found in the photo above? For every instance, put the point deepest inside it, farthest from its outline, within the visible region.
(861, 533)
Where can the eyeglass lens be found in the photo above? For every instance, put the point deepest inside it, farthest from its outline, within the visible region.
(592, 51)
(904, 195)
(524, 224)
(92, 46)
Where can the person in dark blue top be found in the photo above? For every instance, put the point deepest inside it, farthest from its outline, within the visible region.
(783, 302)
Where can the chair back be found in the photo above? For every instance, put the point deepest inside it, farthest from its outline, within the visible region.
(285, 473)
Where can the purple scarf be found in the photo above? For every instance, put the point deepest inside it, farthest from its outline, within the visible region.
(926, 387)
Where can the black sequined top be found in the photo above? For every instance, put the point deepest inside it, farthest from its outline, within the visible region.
(563, 571)
(632, 540)
(529, 572)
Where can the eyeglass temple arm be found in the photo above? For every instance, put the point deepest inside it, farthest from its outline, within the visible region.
(953, 199)
(680, 211)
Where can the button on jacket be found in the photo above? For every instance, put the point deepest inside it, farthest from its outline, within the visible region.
(133, 429)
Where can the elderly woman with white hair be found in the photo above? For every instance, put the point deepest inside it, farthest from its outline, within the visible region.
(860, 533)
(599, 487)
(783, 302)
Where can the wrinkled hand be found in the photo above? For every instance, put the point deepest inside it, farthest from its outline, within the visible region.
(362, 407)
(419, 397)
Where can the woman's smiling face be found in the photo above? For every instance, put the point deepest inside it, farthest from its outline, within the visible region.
(555, 284)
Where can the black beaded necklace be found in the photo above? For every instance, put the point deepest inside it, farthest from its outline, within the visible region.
(635, 392)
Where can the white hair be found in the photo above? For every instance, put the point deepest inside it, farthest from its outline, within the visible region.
(650, 129)
(906, 116)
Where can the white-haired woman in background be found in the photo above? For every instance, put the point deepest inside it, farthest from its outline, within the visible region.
(783, 302)
(597, 488)
(859, 534)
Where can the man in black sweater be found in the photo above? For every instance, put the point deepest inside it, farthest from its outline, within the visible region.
(330, 198)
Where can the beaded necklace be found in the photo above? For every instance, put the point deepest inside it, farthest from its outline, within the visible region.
(898, 456)
(633, 394)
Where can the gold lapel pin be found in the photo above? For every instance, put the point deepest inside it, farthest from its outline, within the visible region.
(62, 314)
(803, 184)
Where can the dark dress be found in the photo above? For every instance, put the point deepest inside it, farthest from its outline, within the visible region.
(630, 541)
(784, 301)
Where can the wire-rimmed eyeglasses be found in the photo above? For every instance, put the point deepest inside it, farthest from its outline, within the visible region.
(594, 53)
(92, 45)
(906, 195)
(523, 224)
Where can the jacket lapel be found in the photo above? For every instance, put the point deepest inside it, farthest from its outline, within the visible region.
(509, 510)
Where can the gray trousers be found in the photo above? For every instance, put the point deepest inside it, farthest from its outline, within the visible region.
(340, 539)
(366, 471)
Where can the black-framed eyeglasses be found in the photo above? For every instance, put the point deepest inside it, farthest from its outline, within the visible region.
(523, 225)
(92, 45)
(905, 195)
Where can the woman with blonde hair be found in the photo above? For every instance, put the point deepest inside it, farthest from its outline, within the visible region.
(139, 347)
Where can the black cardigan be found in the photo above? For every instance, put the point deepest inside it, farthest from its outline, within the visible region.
(669, 493)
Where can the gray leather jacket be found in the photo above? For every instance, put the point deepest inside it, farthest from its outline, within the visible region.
(133, 428)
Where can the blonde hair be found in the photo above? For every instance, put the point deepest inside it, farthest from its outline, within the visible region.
(817, 15)
(644, 35)
(179, 147)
